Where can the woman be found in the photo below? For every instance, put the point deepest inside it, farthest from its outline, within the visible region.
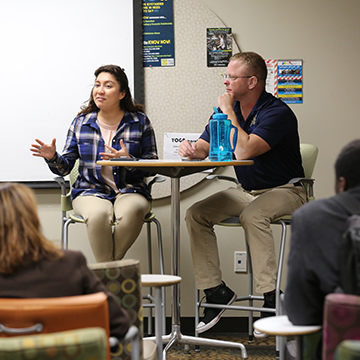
(32, 267)
(112, 125)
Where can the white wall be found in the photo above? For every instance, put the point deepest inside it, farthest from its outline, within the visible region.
(324, 33)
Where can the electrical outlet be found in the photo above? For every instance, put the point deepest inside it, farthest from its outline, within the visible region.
(240, 261)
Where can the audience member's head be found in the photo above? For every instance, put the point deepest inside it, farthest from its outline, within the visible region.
(347, 167)
(21, 240)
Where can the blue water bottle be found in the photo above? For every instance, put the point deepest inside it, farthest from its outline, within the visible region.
(220, 146)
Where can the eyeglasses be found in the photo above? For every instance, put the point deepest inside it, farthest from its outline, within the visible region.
(231, 78)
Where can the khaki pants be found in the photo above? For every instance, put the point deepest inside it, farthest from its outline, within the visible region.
(108, 243)
(256, 210)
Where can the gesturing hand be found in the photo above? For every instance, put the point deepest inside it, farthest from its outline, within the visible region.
(115, 153)
(41, 149)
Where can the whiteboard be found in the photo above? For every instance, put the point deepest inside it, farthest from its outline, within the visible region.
(50, 50)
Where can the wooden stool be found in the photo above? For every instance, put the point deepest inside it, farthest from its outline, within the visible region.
(281, 326)
(158, 281)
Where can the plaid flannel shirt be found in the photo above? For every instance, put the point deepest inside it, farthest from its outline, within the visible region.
(84, 142)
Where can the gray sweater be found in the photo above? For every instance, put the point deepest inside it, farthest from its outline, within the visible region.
(313, 264)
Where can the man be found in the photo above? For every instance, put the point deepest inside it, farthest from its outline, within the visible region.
(316, 236)
(267, 133)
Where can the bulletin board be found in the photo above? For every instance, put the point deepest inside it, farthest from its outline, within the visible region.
(180, 99)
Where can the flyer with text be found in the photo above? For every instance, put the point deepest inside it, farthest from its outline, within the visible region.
(158, 27)
(219, 46)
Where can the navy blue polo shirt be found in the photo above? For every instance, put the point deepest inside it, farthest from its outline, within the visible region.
(273, 121)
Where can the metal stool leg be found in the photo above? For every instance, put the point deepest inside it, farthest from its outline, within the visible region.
(150, 267)
(279, 340)
(251, 293)
(150, 271)
(197, 314)
(162, 271)
(65, 233)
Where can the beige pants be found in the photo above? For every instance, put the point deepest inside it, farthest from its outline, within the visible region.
(110, 243)
(256, 209)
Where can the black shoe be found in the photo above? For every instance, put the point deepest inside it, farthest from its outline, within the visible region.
(269, 302)
(221, 295)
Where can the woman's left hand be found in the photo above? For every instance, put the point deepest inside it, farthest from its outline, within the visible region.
(115, 153)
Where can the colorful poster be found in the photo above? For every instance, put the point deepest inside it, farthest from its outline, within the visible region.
(158, 25)
(219, 46)
(290, 80)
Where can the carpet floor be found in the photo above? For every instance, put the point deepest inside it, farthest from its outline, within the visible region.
(263, 349)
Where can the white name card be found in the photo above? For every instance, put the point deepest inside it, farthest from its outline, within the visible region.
(172, 142)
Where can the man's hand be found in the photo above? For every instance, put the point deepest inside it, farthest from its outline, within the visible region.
(187, 149)
(198, 150)
(226, 103)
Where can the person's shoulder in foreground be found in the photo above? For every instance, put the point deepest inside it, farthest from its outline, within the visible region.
(316, 236)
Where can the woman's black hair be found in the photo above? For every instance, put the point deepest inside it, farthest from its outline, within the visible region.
(127, 103)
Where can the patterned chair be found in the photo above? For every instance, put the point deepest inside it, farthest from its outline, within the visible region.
(20, 317)
(81, 344)
(341, 322)
(123, 279)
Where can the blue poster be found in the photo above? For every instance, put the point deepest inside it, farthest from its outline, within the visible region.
(158, 25)
(290, 81)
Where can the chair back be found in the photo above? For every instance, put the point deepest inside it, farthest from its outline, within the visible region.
(123, 279)
(49, 315)
(74, 173)
(66, 204)
(309, 155)
(341, 322)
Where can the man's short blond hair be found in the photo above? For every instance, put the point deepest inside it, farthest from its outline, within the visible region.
(255, 63)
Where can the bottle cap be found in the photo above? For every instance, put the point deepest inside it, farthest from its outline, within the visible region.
(219, 116)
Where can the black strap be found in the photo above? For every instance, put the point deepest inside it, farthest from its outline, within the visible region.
(349, 201)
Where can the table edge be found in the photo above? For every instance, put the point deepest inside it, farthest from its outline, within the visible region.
(162, 163)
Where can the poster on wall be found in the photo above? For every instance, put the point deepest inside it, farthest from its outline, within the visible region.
(158, 30)
(284, 80)
(272, 77)
(219, 46)
(290, 81)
